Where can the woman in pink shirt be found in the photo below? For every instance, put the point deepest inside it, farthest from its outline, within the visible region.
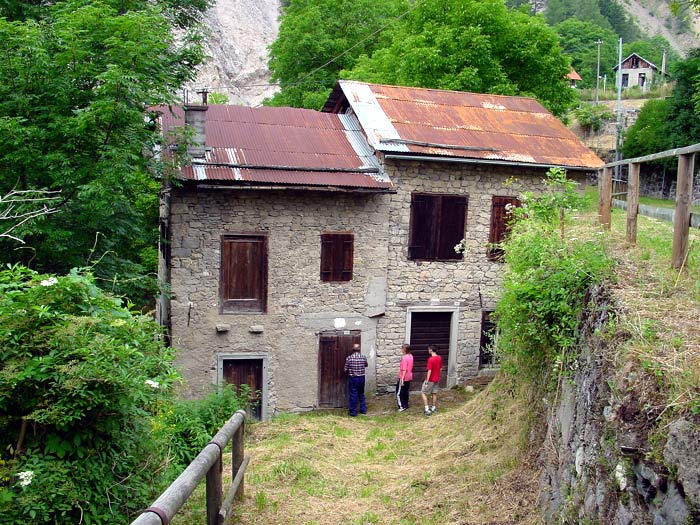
(405, 375)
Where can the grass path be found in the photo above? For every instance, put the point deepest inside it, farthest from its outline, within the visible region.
(458, 466)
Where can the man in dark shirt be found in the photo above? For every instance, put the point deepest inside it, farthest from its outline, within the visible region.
(355, 365)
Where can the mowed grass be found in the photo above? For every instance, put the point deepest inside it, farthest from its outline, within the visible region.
(465, 464)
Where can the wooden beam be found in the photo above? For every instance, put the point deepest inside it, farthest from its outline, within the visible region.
(695, 148)
(605, 196)
(632, 202)
(681, 221)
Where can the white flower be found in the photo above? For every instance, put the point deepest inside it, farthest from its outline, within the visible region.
(25, 478)
(152, 384)
(49, 282)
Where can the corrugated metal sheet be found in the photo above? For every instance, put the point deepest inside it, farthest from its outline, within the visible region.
(282, 146)
(464, 125)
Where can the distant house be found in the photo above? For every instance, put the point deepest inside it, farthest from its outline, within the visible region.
(572, 76)
(294, 233)
(637, 71)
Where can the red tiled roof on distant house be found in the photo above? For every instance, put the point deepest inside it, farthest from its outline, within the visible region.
(451, 125)
(280, 146)
(573, 75)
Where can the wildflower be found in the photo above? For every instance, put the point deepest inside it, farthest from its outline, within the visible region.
(25, 478)
(152, 384)
(49, 282)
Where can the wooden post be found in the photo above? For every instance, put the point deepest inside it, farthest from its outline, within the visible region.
(632, 202)
(681, 221)
(214, 492)
(605, 196)
(237, 456)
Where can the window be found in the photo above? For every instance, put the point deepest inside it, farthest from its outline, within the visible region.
(489, 338)
(642, 79)
(243, 273)
(500, 217)
(625, 79)
(437, 225)
(336, 256)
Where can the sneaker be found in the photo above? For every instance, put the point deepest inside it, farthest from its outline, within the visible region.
(433, 410)
(402, 409)
(427, 412)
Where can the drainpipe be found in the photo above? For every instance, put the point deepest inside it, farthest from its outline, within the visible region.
(164, 262)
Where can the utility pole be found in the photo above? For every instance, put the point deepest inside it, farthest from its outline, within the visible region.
(597, 72)
(618, 141)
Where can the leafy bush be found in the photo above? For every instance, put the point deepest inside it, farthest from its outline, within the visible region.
(190, 424)
(546, 282)
(88, 428)
(591, 116)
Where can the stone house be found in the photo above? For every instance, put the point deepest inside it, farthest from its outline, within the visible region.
(637, 71)
(294, 233)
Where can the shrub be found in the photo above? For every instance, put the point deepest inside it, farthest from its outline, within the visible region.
(546, 282)
(81, 377)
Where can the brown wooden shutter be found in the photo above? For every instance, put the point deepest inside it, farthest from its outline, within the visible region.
(422, 226)
(453, 215)
(499, 224)
(337, 250)
(243, 273)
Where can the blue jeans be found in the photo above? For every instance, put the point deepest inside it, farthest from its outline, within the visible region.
(356, 389)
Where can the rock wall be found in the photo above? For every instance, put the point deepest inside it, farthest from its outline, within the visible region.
(599, 463)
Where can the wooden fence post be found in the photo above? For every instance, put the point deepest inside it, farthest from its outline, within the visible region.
(214, 489)
(632, 202)
(237, 455)
(605, 196)
(681, 221)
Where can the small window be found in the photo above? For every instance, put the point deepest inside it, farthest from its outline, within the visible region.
(437, 226)
(642, 79)
(489, 339)
(243, 273)
(625, 79)
(500, 224)
(336, 256)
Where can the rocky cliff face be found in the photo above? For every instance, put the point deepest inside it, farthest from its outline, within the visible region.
(240, 33)
(599, 464)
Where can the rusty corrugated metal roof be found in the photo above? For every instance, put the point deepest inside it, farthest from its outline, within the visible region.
(281, 146)
(453, 124)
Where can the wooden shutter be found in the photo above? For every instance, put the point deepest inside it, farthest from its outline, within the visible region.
(421, 241)
(337, 251)
(243, 273)
(453, 214)
(499, 224)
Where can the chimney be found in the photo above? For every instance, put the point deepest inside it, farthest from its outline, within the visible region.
(195, 117)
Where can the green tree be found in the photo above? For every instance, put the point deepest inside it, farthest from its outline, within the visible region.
(620, 20)
(647, 134)
(587, 10)
(578, 40)
(315, 32)
(75, 83)
(673, 122)
(473, 45)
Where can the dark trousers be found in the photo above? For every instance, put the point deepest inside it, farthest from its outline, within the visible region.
(356, 391)
(402, 393)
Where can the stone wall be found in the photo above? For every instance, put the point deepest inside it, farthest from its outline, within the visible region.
(596, 449)
(299, 304)
(465, 287)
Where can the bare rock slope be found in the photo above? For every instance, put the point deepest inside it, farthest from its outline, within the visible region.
(240, 33)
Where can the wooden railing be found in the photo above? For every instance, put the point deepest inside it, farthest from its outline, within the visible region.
(207, 463)
(684, 191)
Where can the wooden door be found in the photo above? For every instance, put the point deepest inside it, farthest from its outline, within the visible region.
(246, 372)
(429, 328)
(333, 348)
